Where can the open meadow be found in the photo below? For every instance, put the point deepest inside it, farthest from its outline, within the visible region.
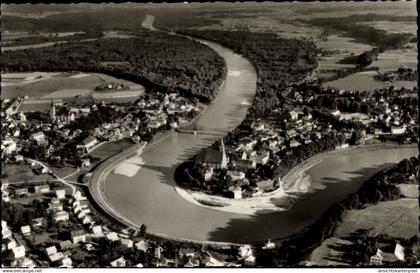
(397, 218)
(364, 81)
(40, 88)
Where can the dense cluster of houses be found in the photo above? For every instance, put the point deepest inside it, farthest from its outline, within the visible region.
(267, 142)
(149, 114)
(59, 252)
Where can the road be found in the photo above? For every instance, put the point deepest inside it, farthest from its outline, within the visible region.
(59, 179)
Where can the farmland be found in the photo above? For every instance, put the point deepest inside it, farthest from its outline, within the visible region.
(397, 218)
(43, 87)
(364, 81)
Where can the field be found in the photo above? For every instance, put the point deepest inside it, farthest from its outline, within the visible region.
(363, 81)
(391, 60)
(41, 88)
(107, 150)
(394, 27)
(409, 190)
(324, 255)
(346, 47)
(51, 85)
(397, 218)
(23, 173)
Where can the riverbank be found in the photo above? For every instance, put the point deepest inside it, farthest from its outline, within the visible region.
(293, 181)
(295, 184)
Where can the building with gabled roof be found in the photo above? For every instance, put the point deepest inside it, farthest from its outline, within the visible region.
(213, 158)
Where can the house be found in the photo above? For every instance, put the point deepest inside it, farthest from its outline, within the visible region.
(87, 144)
(244, 251)
(79, 196)
(245, 163)
(65, 245)
(386, 255)
(56, 257)
(26, 230)
(97, 230)
(66, 262)
(294, 115)
(120, 262)
(37, 222)
(51, 250)
(60, 194)
(335, 113)
(85, 163)
(9, 146)
(186, 252)
(208, 173)
(141, 245)
(261, 158)
(250, 260)
(269, 245)
(158, 251)
(38, 137)
(25, 263)
(291, 133)
(154, 124)
(87, 220)
(395, 130)
(10, 243)
(342, 146)
(127, 243)
(89, 247)
(6, 233)
(294, 144)
(5, 196)
(237, 191)
(61, 216)
(19, 252)
(235, 175)
(19, 158)
(192, 262)
(257, 125)
(78, 236)
(55, 207)
(210, 261)
(81, 214)
(136, 139)
(112, 236)
(21, 192)
(42, 189)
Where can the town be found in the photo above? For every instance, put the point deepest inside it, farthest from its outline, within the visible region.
(209, 135)
(252, 160)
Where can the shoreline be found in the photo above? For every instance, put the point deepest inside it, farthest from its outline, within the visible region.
(293, 183)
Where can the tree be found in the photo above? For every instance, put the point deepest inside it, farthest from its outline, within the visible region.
(143, 230)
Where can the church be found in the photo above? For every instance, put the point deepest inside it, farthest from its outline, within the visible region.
(212, 158)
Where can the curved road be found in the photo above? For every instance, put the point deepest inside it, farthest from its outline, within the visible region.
(149, 197)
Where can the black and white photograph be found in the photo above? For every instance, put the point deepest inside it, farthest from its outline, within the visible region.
(209, 134)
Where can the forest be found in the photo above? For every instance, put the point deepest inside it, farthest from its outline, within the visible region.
(366, 34)
(279, 62)
(154, 59)
(39, 39)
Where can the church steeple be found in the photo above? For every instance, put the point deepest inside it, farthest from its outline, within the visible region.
(52, 111)
(224, 162)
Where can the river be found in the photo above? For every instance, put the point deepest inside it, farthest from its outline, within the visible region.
(149, 197)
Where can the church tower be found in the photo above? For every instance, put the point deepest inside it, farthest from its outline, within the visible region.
(52, 111)
(224, 162)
